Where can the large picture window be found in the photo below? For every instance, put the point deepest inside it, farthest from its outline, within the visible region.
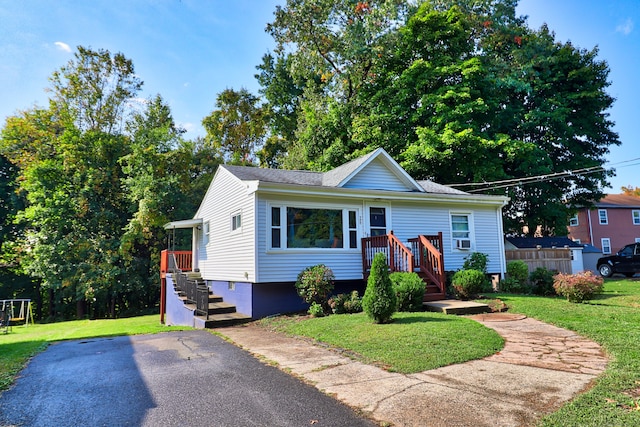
(293, 227)
(314, 228)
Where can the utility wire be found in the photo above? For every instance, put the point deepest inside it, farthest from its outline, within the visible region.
(493, 185)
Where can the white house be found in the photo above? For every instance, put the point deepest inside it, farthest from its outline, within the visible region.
(257, 229)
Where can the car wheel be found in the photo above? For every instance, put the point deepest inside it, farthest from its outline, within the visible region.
(605, 270)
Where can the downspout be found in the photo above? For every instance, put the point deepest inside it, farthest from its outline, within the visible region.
(503, 257)
(590, 229)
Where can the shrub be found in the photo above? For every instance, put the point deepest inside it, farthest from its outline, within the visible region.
(513, 286)
(315, 284)
(354, 303)
(379, 301)
(346, 303)
(476, 261)
(316, 310)
(577, 287)
(518, 270)
(469, 283)
(542, 281)
(409, 289)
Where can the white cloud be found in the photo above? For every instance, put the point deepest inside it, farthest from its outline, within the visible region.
(63, 46)
(626, 27)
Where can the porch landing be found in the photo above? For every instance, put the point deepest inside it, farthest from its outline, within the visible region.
(454, 306)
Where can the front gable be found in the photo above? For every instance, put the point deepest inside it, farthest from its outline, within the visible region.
(375, 171)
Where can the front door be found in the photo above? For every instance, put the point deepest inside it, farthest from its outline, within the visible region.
(377, 220)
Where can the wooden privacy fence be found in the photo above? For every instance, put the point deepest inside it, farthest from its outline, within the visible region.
(558, 259)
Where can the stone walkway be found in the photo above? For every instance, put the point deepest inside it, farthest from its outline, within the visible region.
(540, 368)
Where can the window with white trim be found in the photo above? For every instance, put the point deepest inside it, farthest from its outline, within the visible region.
(603, 217)
(205, 232)
(606, 245)
(461, 231)
(635, 215)
(236, 221)
(276, 232)
(573, 221)
(301, 227)
(577, 241)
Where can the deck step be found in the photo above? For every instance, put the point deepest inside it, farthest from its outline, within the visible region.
(221, 308)
(453, 306)
(221, 320)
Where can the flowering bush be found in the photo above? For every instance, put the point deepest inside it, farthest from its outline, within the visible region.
(346, 303)
(577, 287)
(315, 284)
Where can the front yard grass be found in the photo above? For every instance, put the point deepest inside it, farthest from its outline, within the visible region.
(23, 342)
(414, 342)
(420, 341)
(612, 319)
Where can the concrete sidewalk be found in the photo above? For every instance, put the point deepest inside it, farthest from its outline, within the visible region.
(540, 368)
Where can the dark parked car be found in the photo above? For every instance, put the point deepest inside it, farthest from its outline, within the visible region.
(626, 261)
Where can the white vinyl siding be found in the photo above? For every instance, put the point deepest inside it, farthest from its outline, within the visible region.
(376, 176)
(230, 254)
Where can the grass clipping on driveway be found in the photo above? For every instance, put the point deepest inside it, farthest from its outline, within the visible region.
(413, 342)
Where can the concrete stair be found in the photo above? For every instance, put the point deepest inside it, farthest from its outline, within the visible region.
(220, 313)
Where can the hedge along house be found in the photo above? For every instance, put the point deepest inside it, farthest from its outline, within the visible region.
(257, 229)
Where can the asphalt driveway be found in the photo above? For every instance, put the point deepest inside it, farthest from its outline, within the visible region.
(171, 379)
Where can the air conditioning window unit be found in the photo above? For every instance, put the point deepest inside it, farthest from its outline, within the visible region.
(463, 243)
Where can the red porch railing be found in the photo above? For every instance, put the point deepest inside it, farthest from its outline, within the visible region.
(424, 256)
(430, 262)
(184, 261)
(399, 257)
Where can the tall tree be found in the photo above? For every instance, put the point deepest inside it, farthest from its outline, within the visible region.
(237, 127)
(68, 157)
(461, 91)
(93, 90)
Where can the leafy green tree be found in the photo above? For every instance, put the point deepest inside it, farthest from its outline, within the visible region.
(237, 127)
(379, 300)
(461, 91)
(93, 90)
(283, 95)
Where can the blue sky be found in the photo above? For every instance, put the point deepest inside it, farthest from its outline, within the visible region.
(190, 50)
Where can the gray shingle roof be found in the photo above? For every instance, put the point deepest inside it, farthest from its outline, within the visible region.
(281, 176)
(432, 187)
(333, 178)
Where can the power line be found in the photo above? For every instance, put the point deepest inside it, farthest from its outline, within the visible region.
(493, 185)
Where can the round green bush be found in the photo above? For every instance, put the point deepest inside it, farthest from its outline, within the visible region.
(542, 281)
(476, 261)
(409, 289)
(379, 301)
(518, 270)
(468, 283)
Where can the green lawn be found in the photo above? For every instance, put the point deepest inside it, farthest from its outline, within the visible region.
(613, 321)
(418, 341)
(22, 342)
(414, 342)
